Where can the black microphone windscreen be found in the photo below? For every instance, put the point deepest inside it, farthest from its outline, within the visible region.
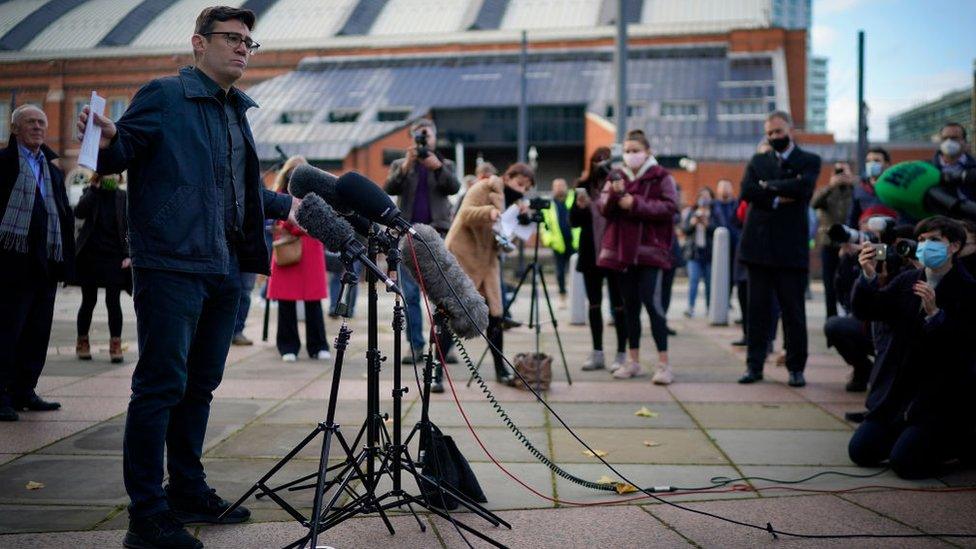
(365, 197)
(307, 179)
(439, 286)
(322, 222)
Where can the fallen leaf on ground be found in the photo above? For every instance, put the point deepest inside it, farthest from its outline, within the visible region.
(597, 453)
(605, 480)
(31, 485)
(644, 412)
(651, 443)
(624, 488)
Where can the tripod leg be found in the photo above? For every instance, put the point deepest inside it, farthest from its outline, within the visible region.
(555, 326)
(505, 314)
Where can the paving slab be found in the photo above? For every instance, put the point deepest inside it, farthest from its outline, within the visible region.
(776, 447)
(258, 388)
(49, 518)
(106, 439)
(620, 415)
(350, 414)
(95, 387)
(480, 414)
(733, 392)
(48, 382)
(66, 540)
(631, 390)
(876, 479)
(89, 408)
(618, 527)
(808, 515)
(238, 411)
(500, 442)
(27, 436)
(671, 446)
(769, 415)
(80, 480)
(647, 476)
(930, 512)
(817, 391)
(365, 532)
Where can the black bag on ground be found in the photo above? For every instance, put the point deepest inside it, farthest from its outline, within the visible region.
(443, 462)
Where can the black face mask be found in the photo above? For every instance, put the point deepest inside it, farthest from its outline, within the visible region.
(779, 144)
(512, 196)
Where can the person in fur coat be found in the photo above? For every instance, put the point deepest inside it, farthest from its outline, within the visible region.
(472, 240)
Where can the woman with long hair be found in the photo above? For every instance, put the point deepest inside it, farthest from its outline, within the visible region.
(102, 259)
(584, 214)
(303, 280)
(639, 201)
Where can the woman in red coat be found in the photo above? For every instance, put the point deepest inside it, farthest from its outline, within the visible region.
(639, 202)
(303, 281)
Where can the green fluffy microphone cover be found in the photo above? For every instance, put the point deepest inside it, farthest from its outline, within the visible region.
(903, 187)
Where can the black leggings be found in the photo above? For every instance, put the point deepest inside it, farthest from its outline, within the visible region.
(89, 297)
(593, 281)
(643, 286)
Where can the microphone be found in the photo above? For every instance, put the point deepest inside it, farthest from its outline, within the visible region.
(914, 187)
(438, 286)
(367, 199)
(307, 180)
(321, 222)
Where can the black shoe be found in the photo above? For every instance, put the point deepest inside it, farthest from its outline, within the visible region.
(671, 332)
(159, 531)
(740, 343)
(437, 387)
(855, 417)
(797, 380)
(509, 323)
(7, 412)
(452, 358)
(35, 403)
(508, 380)
(750, 377)
(206, 507)
(856, 386)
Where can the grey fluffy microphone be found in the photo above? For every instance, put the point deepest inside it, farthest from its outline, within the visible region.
(307, 179)
(438, 286)
(323, 223)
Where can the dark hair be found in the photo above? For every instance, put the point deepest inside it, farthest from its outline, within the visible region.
(209, 16)
(904, 230)
(969, 225)
(883, 152)
(590, 178)
(782, 115)
(638, 135)
(949, 228)
(423, 123)
(520, 168)
(954, 125)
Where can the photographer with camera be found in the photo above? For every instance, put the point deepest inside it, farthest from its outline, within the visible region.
(832, 204)
(954, 161)
(592, 225)
(920, 403)
(876, 162)
(698, 225)
(423, 179)
(639, 202)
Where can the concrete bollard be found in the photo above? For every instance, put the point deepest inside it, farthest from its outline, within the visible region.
(718, 314)
(577, 294)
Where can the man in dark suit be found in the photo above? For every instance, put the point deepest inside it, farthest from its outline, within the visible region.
(36, 251)
(774, 248)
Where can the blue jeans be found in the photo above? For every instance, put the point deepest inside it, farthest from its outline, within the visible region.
(697, 270)
(415, 319)
(247, 286)
(185, 323)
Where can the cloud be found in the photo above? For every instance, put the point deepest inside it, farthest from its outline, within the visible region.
(823, 37)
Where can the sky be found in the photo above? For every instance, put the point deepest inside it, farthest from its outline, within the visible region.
(915, 50)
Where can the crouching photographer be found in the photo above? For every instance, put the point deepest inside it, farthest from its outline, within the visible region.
(858, 340)
(920, 403)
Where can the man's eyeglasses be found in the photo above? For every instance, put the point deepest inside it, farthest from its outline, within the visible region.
(234, 39)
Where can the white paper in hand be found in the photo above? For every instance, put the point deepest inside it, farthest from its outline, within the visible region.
(93, 133)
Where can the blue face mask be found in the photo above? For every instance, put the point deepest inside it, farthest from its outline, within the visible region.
(873, 169)
(932, 253)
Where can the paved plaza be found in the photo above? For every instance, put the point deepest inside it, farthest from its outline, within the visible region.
(703, 426)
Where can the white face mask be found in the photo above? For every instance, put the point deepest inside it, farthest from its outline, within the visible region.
(950, 147)
(635, 160)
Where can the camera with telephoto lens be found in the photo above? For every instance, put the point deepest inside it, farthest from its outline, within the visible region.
(539, 203)
(906, 248)
(881, 229)
(420, 138)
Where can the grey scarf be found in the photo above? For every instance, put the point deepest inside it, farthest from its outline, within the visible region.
(16, 219)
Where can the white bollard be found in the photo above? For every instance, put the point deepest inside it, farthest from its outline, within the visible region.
(718, 314)
(577, 294)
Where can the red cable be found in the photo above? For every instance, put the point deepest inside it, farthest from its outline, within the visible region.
(734, 488)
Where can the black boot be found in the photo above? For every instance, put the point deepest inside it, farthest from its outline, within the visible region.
(495, 331)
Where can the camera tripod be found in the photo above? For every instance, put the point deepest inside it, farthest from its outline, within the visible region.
(390, 454)
(535, 320)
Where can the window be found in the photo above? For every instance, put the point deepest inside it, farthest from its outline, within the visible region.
(295, 117)
(343, 117)
(743, 109)
(683, 110)
(116, 107)
(392, 115)
(4, 121)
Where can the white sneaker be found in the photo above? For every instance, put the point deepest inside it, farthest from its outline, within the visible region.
(619, 361)
(289, 357)
(663, 375)
(629, 370)
(324, 354)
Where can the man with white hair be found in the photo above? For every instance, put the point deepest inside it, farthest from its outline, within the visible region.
(37, 249)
